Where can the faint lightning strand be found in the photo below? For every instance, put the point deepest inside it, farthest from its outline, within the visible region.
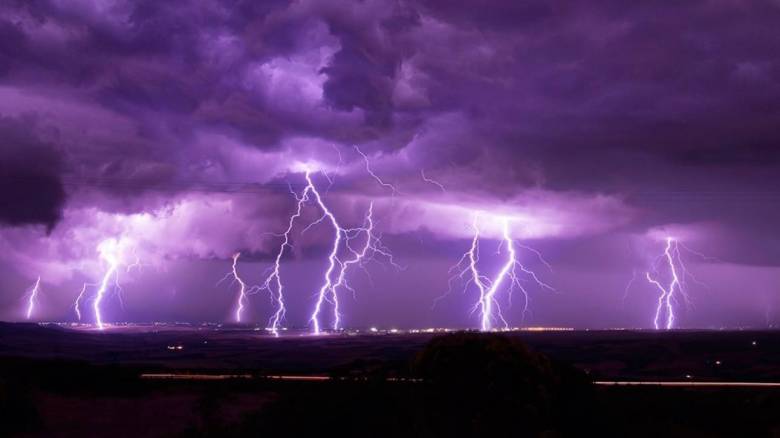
(629, 284)
(432, 181)
(374, 175)
(371, 246)
(472, 257)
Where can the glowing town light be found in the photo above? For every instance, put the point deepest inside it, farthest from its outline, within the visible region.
(32, 297)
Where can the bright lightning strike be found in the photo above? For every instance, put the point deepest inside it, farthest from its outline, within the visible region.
(32, 297)
(668, 297)
(243, 291)
(327, 287)
(335, 276)
(508, 278)
(111, 258)
(273, 282)
(110, 252)
(337, 265)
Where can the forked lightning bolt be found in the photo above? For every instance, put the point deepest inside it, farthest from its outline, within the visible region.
(110, 252)
(334, 277)
(32, 297)
(273, 282)
(508, 278)
(335, 274)
(669, 293)
(326, 290)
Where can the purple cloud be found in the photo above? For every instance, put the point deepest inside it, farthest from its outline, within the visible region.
(592, 127)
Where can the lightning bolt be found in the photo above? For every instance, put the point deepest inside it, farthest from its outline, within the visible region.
(371, 247)
(243, 291)
(508, 278)
(432, 181)
(32, 297)
(273, 282)
(376, 177)
(333, 260)
(77, 303)
(335, 275)
(676, 286)
(112, 260)
(110, 254)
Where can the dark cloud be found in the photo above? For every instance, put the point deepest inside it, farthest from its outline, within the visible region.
(551, 93)
(671, 110)
(355, 80)
(31, 189)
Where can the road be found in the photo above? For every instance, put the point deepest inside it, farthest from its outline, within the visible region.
(303, 378)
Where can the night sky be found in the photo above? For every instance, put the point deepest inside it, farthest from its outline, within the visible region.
(172, 130)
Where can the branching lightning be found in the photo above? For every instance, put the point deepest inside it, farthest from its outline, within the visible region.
(110, 252)
(343, 254)
(243, 290)
(335, 274)
(508, 278)
(273, 282)
(32, 297)
(670, 293)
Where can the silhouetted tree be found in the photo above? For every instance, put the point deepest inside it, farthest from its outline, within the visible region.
(480, 384)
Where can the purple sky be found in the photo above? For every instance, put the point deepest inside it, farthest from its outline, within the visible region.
(598, 128)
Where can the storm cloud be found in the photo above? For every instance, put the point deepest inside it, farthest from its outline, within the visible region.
(596, 124)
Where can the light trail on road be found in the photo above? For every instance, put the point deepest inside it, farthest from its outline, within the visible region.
(314, 378)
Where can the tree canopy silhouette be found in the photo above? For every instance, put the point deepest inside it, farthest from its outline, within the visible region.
(490, 383)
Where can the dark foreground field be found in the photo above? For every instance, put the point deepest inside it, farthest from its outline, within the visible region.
(56, 382)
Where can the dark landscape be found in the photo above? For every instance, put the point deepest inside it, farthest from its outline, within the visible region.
(79, 382)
